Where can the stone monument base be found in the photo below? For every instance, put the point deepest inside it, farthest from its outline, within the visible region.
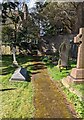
(76, 76)
(15, 64)
(77, 73)
(20, 74)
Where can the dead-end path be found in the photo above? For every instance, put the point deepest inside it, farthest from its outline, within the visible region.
(49, 101)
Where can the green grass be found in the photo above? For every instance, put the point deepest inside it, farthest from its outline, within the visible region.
(78, 105)
(16, 100)
(55, 73)
(79, 87)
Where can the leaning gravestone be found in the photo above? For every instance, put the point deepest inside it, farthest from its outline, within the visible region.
(77, 74)
(63, 54)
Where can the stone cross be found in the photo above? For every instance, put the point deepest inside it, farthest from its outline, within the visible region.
(77, 74)
(80, 40)
(14, 57)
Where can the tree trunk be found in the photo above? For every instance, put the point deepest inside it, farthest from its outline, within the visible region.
(79, 20)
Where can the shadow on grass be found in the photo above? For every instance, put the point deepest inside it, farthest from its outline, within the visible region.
(7, 89)
(37, 66)
(8, 70)
(29, 76)
(7, 62)
(30, 58)
(50, 65)
(71, 65)
(21, 59)
(33, 73)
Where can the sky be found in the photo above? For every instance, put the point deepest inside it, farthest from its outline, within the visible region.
(1, 1)
(32, 2)
(29, 2)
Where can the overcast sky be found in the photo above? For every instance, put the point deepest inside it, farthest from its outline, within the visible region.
(1, 1)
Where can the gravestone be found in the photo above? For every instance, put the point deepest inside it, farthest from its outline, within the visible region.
(63, 54)
(20, 74)
(7, 50)
(77, 74)
(3, 49)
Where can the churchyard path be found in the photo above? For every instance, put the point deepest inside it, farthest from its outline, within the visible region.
(49, 100)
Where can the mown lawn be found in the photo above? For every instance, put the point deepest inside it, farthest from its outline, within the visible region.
(16, 97)
(55, 73)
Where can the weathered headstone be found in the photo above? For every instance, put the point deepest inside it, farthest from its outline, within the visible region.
(20, 74)
(77, 74)
(7, 50)
(3, 49)
(63, 54)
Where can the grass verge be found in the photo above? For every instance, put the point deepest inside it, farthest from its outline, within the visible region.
(16, 97)
(55, 73)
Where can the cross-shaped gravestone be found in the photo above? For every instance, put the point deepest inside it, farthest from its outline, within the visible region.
(80, 40)
(14, 57)
(77, 74)
(20, 73)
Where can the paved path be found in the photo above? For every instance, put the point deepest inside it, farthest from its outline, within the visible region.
(48, 100)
